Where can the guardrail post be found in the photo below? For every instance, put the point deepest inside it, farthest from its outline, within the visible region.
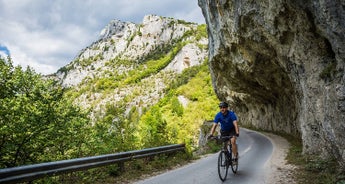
(121, 166)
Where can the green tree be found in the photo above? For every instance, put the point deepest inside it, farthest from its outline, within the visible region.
(153, 128)
(114, 132)
(36, 123)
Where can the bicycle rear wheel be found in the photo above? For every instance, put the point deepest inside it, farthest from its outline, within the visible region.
(223, 165)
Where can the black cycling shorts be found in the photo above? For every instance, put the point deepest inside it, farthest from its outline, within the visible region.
(232, 132)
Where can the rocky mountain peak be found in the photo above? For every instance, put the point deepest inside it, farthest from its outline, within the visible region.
(133, 63)
(115, 27)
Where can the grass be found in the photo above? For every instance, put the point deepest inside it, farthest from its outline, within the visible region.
(142, 168)
(127, 172)
(312, 168)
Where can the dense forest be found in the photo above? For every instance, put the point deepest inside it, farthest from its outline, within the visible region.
(40, 122)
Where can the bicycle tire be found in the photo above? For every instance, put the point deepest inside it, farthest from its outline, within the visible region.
(223, 165)
(234, 165)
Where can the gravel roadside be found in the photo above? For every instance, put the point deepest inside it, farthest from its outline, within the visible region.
(278, 170)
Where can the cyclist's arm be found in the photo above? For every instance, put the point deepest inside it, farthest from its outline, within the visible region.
(236, 127)
(213, 128)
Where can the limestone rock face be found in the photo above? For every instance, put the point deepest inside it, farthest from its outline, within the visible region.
(280, 64)
(133, 42)
(101, 73)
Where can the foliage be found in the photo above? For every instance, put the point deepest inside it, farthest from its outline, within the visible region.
(151, 67)
(113, 132)
(181, 124)
(201, 32)
(176, 107)
(35, 121)
(37, 116)
(153, 128)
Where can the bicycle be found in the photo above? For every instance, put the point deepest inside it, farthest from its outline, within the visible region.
(225, 158)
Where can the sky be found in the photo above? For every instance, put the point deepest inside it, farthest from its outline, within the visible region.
(48, 34)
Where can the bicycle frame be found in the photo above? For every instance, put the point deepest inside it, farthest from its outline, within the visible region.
(227, 147)
(225, 158)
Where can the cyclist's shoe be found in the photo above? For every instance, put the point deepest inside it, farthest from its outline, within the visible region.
(234, 162)
(235, 159)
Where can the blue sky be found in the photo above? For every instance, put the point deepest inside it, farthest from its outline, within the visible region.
(4, 51)
(47, 35)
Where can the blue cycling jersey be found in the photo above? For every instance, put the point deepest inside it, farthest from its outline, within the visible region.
(226, 121)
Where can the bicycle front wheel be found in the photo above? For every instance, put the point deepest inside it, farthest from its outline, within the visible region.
(234, 165)
(223, 165)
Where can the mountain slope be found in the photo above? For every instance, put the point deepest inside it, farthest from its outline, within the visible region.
(133, 64)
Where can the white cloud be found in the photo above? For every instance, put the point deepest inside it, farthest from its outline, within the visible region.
(47, 35)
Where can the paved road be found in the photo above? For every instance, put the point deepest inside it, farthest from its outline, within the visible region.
(254, 149)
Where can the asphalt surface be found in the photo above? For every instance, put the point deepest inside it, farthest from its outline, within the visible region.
(255, 151)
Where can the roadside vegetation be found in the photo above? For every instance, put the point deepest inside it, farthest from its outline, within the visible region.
(37, 116)
(36, 120)
(312, 168)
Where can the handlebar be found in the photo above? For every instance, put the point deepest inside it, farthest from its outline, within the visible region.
(223, 138)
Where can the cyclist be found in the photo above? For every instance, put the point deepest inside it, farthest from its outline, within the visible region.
(228, 125)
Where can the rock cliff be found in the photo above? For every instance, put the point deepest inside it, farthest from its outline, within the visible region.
(131, 42)
(280, 64)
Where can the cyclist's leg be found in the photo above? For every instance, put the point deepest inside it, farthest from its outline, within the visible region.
(226, 133)
(234, 146)
(233, 143)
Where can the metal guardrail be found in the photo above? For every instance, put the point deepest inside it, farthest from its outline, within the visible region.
(36, 171)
